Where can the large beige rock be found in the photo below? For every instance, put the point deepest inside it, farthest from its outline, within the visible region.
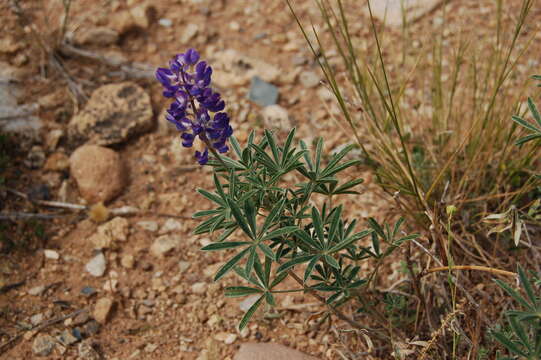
(390, 11)
(99, 173)
(269, 351)
(114, 114)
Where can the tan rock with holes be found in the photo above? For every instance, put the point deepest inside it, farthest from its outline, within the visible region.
(114, 114)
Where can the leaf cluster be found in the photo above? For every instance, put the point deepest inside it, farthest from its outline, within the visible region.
(281, 224)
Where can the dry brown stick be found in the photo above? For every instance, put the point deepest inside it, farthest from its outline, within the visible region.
(23, 215)
(417, 288)
(469, 267)
(121, 211)
(134, 69)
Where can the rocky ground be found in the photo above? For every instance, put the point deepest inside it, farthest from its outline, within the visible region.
(125, 279)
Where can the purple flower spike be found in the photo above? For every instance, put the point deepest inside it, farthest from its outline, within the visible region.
(197, 110)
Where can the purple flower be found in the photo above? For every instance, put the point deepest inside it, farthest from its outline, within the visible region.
(196, 110)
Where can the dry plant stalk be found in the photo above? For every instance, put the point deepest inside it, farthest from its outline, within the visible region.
(435, 336)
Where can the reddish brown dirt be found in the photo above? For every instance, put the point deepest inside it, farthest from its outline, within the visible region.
(178, 324)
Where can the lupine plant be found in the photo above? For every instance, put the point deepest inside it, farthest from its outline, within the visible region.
(267, 192)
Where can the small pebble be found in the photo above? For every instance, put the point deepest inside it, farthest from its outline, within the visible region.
(96, 266)
(37, 290)
(51, 254)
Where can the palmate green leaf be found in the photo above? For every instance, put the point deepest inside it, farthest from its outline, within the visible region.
(318, 225)
(348, 241)
(239, 218)
(296, 261)
(307, 159)
(209, 224)
(265, 159)
(510, 345)
(250, 313)
(270, 298)
(230, 264)
(250, 214)
(307, 239)
(514, 294)
(248, 277)
(337, 157)
(273, 216)
(217, 224)
(272, 144)
(331, 261)
(267, 251)
(280, 232)
(335, 218)
(534, 111)
(336, 169)
(231, 164)
(236, 146)
(261, 274)
(527, 138)
(377, 228)
(317, 155)
(251, 260)
(526, 124)
(267, 271)
(224, 245)
(239, 291)
(224, 235)
(213, 197)
(205, 213)
(278, 279)
(397, 225)
(405, 238)
(310, 267)
(520, 332)
(525, 282)
(345, 188)
(287, 147)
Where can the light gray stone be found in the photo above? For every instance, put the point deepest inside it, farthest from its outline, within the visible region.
(96, 266)
(262, 92)
(390, 11)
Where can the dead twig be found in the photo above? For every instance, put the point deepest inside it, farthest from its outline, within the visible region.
(135, 70)
(469, 267)
(40, 327)
(23, 215)
(121, 211)
(4, 289)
